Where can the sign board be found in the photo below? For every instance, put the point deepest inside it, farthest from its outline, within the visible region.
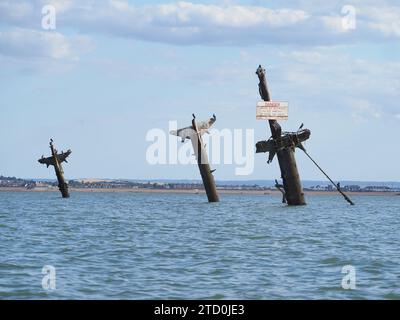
(272, 110)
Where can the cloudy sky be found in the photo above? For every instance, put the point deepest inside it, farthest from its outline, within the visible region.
(113, 70)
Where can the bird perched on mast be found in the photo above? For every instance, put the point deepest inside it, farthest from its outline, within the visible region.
(202, 128)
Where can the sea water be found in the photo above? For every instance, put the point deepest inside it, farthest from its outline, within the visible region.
(178, 246)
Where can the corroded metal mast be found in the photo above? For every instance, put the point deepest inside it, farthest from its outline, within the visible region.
(285, 150)
(56, 160)
(194, 133)
(204, 166)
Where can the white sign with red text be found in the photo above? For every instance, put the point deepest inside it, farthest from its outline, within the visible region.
(272, 110)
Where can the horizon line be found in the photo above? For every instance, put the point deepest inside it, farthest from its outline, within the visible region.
(199, 179)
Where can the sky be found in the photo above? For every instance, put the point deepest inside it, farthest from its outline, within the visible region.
(112, 71)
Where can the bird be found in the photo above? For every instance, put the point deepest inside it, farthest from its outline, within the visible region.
(203, 126)
(188, 132)
(184, 133)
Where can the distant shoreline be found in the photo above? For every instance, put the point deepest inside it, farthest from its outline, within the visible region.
(194, 191)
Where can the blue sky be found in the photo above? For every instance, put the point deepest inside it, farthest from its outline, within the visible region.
(112, 70)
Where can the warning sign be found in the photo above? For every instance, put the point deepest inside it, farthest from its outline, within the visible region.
(272, 110)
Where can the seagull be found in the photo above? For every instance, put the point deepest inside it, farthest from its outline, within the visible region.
(188, 132)
(203, 126)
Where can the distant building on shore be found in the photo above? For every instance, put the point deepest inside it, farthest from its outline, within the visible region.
(13, 182)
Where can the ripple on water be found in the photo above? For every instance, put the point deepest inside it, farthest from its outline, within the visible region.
(159, 246)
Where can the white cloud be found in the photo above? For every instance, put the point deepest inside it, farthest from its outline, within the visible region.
(364, 110)
(304, 56)
(60, 5)
(334, 23)
(386, 20)
(233, 16)
(329, 78)
(15, 11)
(186, 23)
(32, 44)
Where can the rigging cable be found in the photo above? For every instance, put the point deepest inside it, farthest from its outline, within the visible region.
(337, 186)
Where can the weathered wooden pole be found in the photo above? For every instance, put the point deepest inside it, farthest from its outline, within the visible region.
(204, 166)
(56, 160)
(194, 133)
(291, 180)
